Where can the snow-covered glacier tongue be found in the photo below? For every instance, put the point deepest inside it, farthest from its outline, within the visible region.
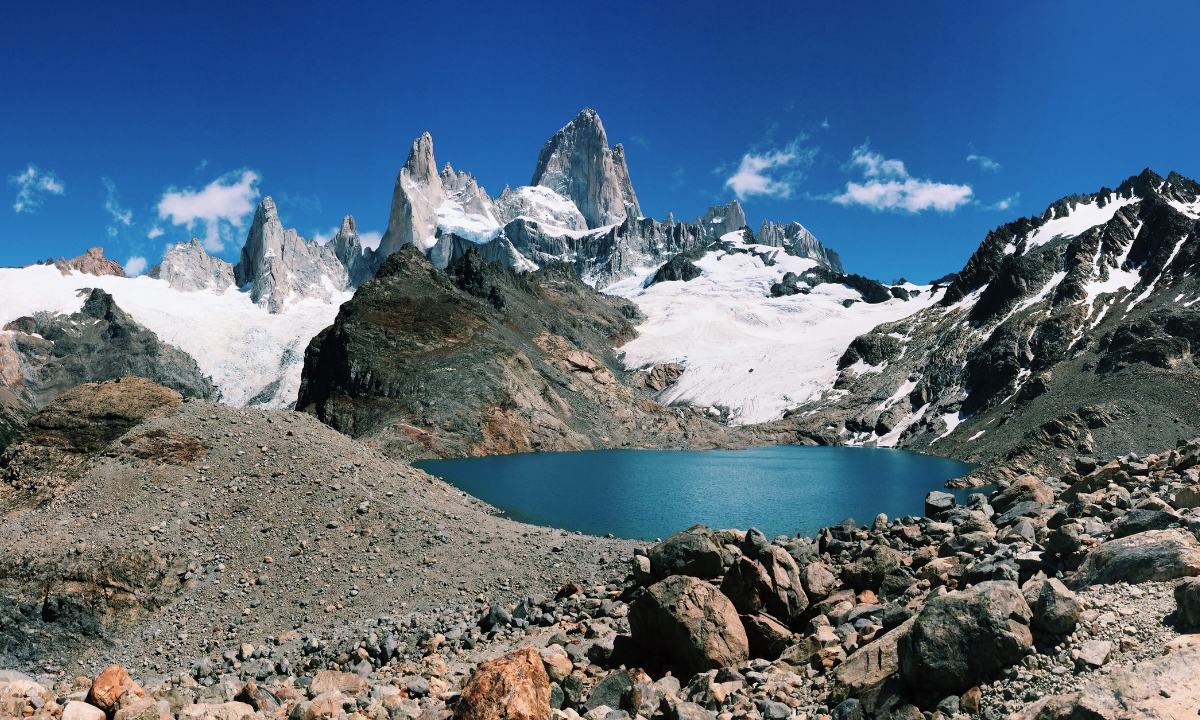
(750, 352)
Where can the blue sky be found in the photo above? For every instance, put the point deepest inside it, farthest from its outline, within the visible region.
(898, 135)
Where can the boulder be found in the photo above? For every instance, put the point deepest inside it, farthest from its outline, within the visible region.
(868, 572)
(694, 552)
(346, 683)
(1188, 497)
(1093, 653)
(871, 664)
(76, 710)
(108, 687)
(511, 687)
(1154, 556)
(239, 710)
(1187, 600)
(961, 636)
(139, 709)
(691, 623)
(1024, 489)
(746, 584)
(557, 663)
(610, 690)
(1162, 687)
(1057, 609)
(818, 582)
(786, 601)
(937, 502)
(766, 636)
(1141, 520)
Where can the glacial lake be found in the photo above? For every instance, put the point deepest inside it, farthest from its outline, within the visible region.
(647, 494)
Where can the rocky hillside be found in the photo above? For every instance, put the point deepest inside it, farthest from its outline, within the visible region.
(45, 355)
(478, 359)
(1067, 336)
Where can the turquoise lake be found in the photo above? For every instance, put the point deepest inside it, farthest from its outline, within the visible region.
(786, 489)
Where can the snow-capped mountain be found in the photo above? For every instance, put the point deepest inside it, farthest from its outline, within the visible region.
(1063, 330)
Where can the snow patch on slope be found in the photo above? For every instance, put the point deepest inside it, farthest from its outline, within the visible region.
(452, 218)
(1084, 217)
(724, 324)
(244, 348)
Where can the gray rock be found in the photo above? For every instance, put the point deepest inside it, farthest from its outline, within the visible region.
(577, 163)
(869, 571)
(1187, 600)
(962, 636)
(694, 552)
(1093, 653)
(1057, 608)
(1153, 556)
(937, 502)
(721, 220)
(187, 267)
(416, 197)
(691, 623)
(772, 709)
(850, 709)
(1141, 520)
(359, 262)
(609, 690)
(282, 267)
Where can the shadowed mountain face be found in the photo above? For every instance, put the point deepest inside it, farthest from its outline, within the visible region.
(47, 355)
(477, 360)
(1064, 333)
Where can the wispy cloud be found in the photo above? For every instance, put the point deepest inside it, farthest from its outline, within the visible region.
(33, 186)
(113, 204)
(155, 231)
(222, 206)
(985, 163)
(135, 266)
(1006, 203)
(772, 172)
(888, 186)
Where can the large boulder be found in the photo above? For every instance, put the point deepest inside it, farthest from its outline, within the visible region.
(871, 664)
(1187, 600)
(1024, 489)
(110, 686)
(766, 635)
(1141, 520)
(1153, 556)
(868, 572)
(694, 552)
(691, 623)
(512, 687)
(1057, 609)
(746, 584)
(962, 636)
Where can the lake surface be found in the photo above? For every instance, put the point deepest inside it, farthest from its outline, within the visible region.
(786, 489)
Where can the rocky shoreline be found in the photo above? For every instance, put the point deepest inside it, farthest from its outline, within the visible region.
(206, 560)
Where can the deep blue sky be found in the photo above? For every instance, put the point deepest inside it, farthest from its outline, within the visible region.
(321, 104)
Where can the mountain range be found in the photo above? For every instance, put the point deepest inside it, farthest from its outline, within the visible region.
(557, 302)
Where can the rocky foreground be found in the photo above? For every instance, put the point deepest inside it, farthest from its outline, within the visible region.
(179, 559)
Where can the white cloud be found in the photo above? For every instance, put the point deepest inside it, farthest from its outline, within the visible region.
(113, 204)
(222, 205)
(765, 174)
(985, 163)
(155, 231)
(32, 187)
(1006, 203)
(370, 239)
(888, 186)
(135, 266)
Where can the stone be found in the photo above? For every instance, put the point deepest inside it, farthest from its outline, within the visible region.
(511, 687)
(1094, 653)
(238, 710)
(110, 685)
(691, 623)
(746, 584)
(91, 262)
(556, 662)
(961, 636)
(1024, 489)
(1188, 497)
(1153, 556)
(969, 701)
(257, 697)
(799, 242)
(1187, 600)
(1057, 608)
(644, 699)
(1141, 520)
(869, 571)
(767, 637)
(694, 552)
(346, 683)
(664, 375)
(359, 261)
(687, 711)
(76, 710)
(1022, 509)
(937, 502)
(608, 692)
(773, 709)
(850, 709)
(418, 687)
(817, 580)
(641, 570)
(140, 709)
(871, 664)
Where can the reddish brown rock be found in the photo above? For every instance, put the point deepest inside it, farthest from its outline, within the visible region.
(512, 687)
(110, 685)
(690, 622)
(91, 262)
